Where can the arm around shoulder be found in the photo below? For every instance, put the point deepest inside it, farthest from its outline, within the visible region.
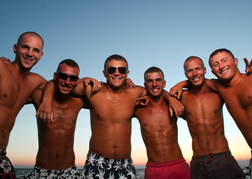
(44, 111)
(177, 90)
(174, 104)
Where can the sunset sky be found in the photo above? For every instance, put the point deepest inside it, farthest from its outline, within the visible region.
(147, 33)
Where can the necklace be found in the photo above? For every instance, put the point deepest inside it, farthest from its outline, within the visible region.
(114, 102)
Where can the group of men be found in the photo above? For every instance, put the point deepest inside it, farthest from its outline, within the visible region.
(112, 106)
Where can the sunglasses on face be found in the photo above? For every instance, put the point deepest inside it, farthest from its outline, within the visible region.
(121, 70)
(64, 76)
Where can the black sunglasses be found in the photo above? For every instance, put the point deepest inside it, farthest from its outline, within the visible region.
(121, 70)
(64, 76)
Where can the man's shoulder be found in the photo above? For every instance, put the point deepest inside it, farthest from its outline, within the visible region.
(4, 66)
(134, 89)
(34, 76)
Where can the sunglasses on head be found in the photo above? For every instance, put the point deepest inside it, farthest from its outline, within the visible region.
(121, 70)
(64, 76)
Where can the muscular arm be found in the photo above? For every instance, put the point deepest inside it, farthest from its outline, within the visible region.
(174, 104)
(35, 98)
(177, 90)
(44, 111)
(212, 84)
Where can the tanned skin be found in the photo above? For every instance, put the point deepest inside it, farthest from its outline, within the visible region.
(111, 119)
(203, 112)
(111, 111)
(17, 83)
(236, 90)
(159, 130)
(56, 140)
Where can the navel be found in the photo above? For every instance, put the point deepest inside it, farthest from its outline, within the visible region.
(249, 97)
(5, 95)
(215, 111)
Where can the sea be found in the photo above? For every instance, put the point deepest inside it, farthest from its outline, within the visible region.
(21, 172)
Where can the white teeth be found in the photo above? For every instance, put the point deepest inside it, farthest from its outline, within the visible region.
(155, 90)
(223, 71)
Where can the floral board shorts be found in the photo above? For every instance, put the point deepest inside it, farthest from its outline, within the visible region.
(97, 167)
(6, 168)
(68, 173)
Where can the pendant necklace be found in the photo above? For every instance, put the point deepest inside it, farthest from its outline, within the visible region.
(114, 102)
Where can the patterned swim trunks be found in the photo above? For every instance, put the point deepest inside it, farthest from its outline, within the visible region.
(6, 168)
(68, 173)
(97, 167)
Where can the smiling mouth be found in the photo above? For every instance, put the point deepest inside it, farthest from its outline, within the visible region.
(155, 90)
(224, 71)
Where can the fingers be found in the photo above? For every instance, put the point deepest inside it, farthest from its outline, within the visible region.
(179, 93)
(171, 111)
(246, 61)
(248, 68)
(173, 93)
(6, 60)
(96, 86)
(52, 117)
(46, 117)
(178, 111)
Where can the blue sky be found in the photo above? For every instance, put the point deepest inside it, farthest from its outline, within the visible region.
(147, 33)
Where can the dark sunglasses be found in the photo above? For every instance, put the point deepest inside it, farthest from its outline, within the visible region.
(64, 76)
(121, 70)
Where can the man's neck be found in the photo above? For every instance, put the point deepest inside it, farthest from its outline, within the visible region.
(19, 72)
(237, 78)
(112, 89)
(203, 88)
(61, 98)
(156, 101)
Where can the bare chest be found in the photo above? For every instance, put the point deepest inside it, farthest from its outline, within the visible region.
(239, 96)
(199, 108)
(14, 93)
(155, 118)
(105, 110)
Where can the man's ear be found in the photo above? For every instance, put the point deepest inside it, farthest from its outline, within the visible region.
(78, 80)
(164, 84)
(42, 53)
(127, 73)
(236, 61)
(15, 48)
(54, 76)
(104, 73)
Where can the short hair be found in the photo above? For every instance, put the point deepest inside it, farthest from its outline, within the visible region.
(153, 70)
(69, 62)
(218, 51)
(117, 58)
(34, 34)
(191, 58)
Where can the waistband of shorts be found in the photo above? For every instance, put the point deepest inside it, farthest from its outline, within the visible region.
(109, 160)
(165, 164)
(2, 152)
(38, 168)
(212, 154)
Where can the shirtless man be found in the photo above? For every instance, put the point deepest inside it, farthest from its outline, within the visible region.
(203, 113)
(160, 132)
(17, 84)
(55, 157)
(111, 110)
(235, 88)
